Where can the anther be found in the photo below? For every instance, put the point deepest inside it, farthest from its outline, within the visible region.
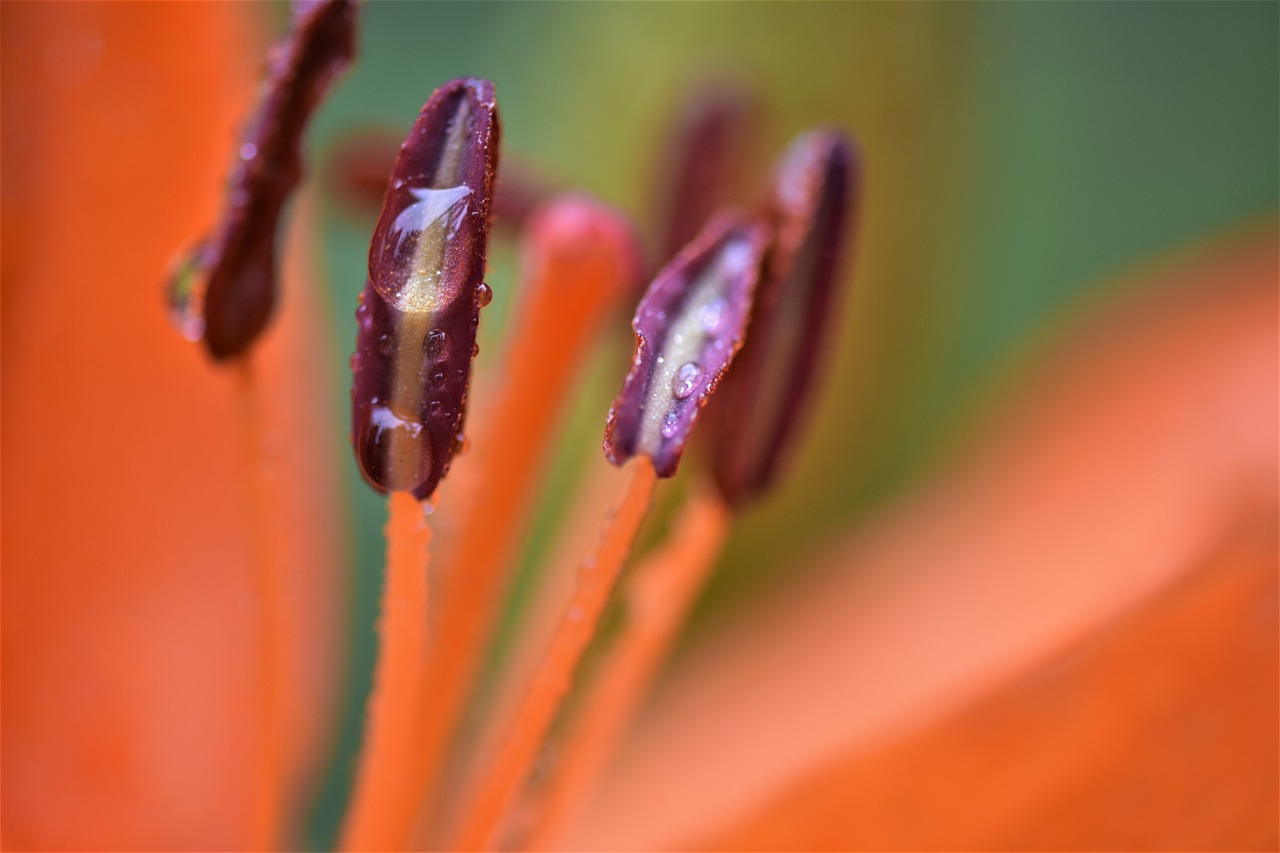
(688, 327)
(425, 292)
(224, 290)
(760, 408)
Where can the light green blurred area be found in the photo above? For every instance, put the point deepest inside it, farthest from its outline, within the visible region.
(1016, 155)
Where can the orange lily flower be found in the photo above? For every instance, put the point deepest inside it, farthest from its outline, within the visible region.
(1069, 639)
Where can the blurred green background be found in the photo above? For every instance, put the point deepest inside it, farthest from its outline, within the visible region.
(1016, 155)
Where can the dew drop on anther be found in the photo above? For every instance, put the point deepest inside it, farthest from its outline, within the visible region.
(670, 425)
(484, 294)
(712, 315)
(686, 380)
(391, 451)
(435, 344)
(186, 295)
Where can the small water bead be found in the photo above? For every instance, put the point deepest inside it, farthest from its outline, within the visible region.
(484, 294)
(713, 315)
(186, 295)
(475, 350)
(392, 453)
(408, 268)
(686, 380)
(437, 379)
(670, 425)
(435, 344)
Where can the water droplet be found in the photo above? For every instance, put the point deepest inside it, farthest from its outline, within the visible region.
(437, 379)
(429, 506)
(186, 295)
(475, 350)
(670, 425)
(406, 266)
(385, 344)
(248, 151)
(713, 314)
(484, 294)
(461, 445)
(385, 434)
(435, 344)
(686, 380)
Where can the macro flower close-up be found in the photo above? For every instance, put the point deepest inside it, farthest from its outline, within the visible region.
(702, 426)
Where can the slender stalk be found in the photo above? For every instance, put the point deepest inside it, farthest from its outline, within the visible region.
(268, 583)
(382, 799)
(597, 575)
(658, 596)
(566, 290)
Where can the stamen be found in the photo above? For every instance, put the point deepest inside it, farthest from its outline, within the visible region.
(223, 292)
(268, 581)
(688, 327)
(763, 401)
(596, 578)
(382, 795)
(658, 595)
(420, 308)
(417, 319)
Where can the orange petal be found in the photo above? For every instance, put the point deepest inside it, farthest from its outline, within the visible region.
(1069, 641)
(130, 630)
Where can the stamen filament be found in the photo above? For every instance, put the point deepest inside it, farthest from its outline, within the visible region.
(658, 596)
(596, 578)
(383, 799)
(567, 292)
(268, 582)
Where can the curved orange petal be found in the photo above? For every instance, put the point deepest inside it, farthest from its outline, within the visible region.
(1069, 641)
(130, 629)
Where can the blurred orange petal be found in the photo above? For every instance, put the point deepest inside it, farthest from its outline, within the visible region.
(130, 628)
(1069, 642)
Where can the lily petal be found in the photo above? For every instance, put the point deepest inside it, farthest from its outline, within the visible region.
(130, 617)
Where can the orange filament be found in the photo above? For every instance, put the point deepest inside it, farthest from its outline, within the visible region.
(268, 581)
(579, 262)
(596, 578)
(658, 596)
(382, 797)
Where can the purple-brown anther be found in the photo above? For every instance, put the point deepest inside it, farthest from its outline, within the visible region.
(420, 308)
(706, 157)
(761, 405)
(223, 293)
(688, 327)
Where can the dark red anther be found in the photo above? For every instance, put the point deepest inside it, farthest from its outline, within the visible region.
(688, 327)
(421, 306)
(224, 292)
(706, 158)
(761, 406)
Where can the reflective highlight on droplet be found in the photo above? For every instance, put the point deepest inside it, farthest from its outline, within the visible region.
(412, 255)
